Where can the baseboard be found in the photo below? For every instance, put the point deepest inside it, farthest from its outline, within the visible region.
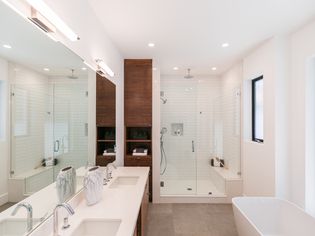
(4, 198)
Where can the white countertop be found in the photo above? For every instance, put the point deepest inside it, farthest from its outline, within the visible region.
(122, 203)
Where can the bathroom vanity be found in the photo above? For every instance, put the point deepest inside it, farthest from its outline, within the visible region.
(121, 212)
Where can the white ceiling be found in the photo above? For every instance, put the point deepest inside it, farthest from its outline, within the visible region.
(32, 48)
(189, 33)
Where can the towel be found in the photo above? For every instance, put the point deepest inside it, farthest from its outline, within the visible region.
(93, 185)
(66, 184)
(109, 150)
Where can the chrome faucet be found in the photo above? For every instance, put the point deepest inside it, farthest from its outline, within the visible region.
(109, 171)
(29, 209)
(70, 211)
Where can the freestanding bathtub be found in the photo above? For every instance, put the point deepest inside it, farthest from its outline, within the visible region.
(256, 216)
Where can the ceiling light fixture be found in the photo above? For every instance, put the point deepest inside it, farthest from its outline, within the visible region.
(214, 68)
(46, 69)
(225, 45)
(83, 68)
(175, 68)
(7, 46)
(104, 68)
(51, 16)
(151, 45)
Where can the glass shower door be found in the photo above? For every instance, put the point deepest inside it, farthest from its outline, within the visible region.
(70, 125)
(178, 116)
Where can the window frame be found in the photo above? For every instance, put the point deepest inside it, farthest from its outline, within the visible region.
(254, 81)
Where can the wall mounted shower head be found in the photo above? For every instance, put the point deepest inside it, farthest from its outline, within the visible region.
(188, 75)
(163, 130)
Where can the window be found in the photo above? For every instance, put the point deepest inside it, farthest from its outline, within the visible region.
(258, 109)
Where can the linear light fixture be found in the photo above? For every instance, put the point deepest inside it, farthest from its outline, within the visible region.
(104, 68)
(51, 16)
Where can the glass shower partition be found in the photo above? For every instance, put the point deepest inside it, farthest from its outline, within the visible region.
(178, 168)
(200, 124)
(70, 121)
(48, 121)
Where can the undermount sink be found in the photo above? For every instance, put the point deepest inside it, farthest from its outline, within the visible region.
(15, 227)
(122, 181)
(97, 227)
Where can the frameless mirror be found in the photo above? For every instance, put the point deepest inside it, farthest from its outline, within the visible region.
(43, 119)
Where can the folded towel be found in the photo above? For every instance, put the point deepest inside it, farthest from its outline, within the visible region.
(140, 150)
(93, 185)
(109, 154)
(109, 150)
(66, 184)
(139, 154)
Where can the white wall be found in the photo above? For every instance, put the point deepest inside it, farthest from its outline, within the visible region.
(94, 43)
(4, 140)
(259, 158)
(302, 50)
(266, 166)
(231, 83)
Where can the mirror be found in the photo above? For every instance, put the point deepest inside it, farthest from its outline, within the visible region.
(43, 119)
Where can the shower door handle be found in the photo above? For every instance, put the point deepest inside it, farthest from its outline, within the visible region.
(57, 146)
(192, 146)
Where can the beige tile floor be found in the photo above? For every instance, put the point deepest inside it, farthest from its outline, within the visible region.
(190, 220)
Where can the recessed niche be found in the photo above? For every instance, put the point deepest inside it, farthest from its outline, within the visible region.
(177, 129)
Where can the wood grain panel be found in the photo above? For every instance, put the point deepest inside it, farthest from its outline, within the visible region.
(105, 102)
(138, 92)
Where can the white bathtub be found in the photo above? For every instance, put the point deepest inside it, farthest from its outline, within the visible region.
(255, 216)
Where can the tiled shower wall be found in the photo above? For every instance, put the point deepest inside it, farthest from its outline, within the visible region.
(209, 109)
(28, 115)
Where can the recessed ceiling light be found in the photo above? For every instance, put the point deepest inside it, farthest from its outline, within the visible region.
(225, 45)
(46, 69)
(83, 68)
(7, 46)
(151, 45)
(175, 68)
(214, 68)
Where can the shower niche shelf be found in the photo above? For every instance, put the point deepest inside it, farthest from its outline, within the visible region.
(105, 140)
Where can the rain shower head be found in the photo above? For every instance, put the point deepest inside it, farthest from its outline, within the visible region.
(188, 75)
(72, 76)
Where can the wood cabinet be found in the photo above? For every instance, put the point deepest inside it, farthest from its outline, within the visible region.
(138, 92)
(105, 119)
(105, 102)
(143, 213)
(138, 113)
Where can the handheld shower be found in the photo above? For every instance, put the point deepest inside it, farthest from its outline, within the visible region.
(164, 100)
(163, 155)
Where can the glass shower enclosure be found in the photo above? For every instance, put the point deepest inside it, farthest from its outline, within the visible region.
(48, 131)
(200, 120)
